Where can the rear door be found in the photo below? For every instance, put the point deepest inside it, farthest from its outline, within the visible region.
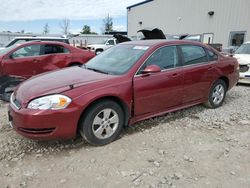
(54, 57)
(199, 72)
(23, 62)
(159, 91)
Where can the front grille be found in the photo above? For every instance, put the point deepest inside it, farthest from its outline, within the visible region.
(15, 102)
(244, 68)
(36, 131)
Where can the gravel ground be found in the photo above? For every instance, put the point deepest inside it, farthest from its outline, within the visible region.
(195, 147)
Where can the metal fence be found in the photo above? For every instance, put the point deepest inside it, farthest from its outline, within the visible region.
(81, 40)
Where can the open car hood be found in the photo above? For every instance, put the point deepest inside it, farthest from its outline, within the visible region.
(152, 34)
(121, 38)
(148, 34)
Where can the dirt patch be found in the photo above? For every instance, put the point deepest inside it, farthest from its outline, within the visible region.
(195, 147)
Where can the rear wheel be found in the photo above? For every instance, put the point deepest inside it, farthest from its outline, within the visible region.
(75, 65)
(217, 94)
(102, 123)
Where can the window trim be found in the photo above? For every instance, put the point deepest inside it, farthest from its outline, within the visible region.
(205, 50)
(180, 58)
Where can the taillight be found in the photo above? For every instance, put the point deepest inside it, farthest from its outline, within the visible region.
(237, 66)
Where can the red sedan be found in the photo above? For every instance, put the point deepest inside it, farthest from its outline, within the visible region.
(127, 83)
(20, 62)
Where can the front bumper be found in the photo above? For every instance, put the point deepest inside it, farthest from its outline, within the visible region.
(245, 78)
(45, 124)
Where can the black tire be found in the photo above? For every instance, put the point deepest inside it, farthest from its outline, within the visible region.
(7, 89)
(216, 99)
(75, 65)
(89, 130)
(98, 51)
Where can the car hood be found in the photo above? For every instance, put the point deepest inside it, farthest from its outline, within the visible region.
(243, 59)
(56, 82)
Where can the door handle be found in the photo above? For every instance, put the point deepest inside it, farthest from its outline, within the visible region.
(210, 68)
(175, 75)
(35, 60)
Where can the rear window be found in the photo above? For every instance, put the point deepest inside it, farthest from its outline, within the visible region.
(193, 54)
(54, 49)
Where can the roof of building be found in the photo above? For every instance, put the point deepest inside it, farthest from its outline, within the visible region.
(138, 4)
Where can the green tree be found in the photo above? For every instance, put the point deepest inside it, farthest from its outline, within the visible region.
(108, 24)
(86, 30)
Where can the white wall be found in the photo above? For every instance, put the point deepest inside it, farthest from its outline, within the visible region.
(191, 16)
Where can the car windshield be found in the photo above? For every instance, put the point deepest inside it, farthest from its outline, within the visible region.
(6, 50)
(116, 60)
(243, 49)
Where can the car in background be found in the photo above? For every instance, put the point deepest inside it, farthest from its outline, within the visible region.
(242, 54)
(99, 48)
(20, 40)
(200, 38)
(127, 83)
(20, 62)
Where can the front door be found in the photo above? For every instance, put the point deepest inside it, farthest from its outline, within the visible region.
(159, 91)
(23, 62)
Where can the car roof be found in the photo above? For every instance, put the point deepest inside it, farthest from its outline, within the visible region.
(153, 43)
(36, 37)
(44, 42)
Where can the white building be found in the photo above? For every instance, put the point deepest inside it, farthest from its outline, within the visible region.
(219, 21)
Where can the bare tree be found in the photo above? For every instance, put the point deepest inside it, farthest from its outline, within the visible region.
(107, 24)
(65, 26)
(46, 29)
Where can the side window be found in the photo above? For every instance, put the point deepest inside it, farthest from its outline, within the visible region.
(212, 56)
(110, 42)
(54, 49)
(165, 58)
(193, 54)
(27, 51)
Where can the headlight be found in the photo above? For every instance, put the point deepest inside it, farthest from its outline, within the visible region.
(51, 102)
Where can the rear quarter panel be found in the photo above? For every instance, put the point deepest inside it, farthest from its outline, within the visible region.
(81, 56)
(228, 67)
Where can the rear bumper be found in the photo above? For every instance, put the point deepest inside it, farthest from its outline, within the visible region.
(45, 125)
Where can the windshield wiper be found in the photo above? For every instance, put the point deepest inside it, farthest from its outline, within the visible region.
(97, 70)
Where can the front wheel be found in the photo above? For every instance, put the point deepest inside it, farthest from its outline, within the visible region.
(7, 89)
(102, 123)
(97, 52)
(217, 94)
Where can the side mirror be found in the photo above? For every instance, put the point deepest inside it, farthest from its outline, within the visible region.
(11, 56)
(151, 69)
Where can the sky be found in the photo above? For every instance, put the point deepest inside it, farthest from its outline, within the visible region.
(32, 15)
